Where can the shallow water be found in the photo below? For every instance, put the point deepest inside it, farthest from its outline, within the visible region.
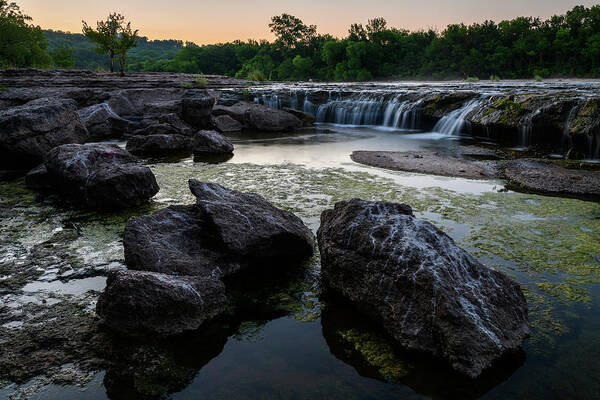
(293, 344)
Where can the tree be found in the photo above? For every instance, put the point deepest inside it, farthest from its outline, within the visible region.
(127, 39)
(63, 57)
(21, 44)
(291, 31)
(113, 37)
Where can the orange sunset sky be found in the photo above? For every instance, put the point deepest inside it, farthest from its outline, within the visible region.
(211, 21)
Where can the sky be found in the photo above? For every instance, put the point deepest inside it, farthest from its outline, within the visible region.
(212, 21)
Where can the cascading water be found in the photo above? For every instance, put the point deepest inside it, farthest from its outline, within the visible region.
(454, 122)
(370, 110)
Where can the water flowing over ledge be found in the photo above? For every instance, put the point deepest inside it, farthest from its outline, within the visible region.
(555, 116)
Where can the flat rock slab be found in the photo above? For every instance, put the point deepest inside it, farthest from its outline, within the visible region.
(530, 175)
(427, 293)
(426, 162)
(547, 177)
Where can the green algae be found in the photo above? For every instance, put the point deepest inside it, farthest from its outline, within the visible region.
(535, 239)
(377, 352)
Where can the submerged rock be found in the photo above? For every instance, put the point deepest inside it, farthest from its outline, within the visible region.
(306, 118)
(429, 294)
(258, 117)
(96, 176)
(211, 142)
(224, 232)
(29, 131)
(145, 302)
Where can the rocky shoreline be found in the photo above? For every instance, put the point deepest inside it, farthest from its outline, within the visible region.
(533, 175)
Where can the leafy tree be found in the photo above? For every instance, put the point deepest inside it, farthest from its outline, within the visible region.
(291, 31)
(22, 44)
(113, 37)
(63, 57)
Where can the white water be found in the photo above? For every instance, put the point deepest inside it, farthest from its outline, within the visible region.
(453, 123)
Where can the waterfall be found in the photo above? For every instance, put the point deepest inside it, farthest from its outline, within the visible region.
(373, 110)
(567, 140)
(454, 122)
(526, 129)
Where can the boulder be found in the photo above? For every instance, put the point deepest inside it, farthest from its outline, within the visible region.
(427, 293)
(258, 117)
(224, 232)
(159, 144)
(225, 124)
(306, 118)
(29, 131)
(137, 102)
(211, 142)
(98, 176)
(137, 302)
(102, 122)
(196, 107)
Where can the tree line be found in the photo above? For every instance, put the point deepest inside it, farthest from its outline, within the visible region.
(562, 45)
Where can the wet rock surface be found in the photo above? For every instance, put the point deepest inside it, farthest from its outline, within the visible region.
(259, 117)
(224, 232)
(547, 177)
(428, 294)
(159, 144)
(28, 132)
(137, 302)
(211, 142)
(96, 176)
(224, 124)
(426, 162)
(196, 107)
(102, 122)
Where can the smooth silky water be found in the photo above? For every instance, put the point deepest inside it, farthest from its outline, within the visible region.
(289, 342)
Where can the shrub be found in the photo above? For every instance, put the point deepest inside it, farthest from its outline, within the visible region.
(472, 79)
(201, 81)
(186, 86)
(246, 94)
(538, 78)
(495, 78)
(256, 75)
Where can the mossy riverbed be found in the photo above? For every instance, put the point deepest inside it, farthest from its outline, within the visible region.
(54, 259)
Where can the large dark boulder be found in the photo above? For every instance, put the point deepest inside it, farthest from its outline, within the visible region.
(211, 142)
(226, 124)
(96, 176)
(29, 131)
(159, 144)
(196, 107)
(137, 302)
(145, 102)
(428, 294)
(102, 122)
(259, 117)
(224, 232)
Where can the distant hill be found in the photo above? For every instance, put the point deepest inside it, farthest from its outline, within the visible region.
(85, 56)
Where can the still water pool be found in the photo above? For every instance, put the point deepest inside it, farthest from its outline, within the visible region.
(285, 340)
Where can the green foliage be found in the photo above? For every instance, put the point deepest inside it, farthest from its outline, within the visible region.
(186, 86)
(494, 78)
(472, 79)
(256, 75)
(247, 95)
(563, 45)
(21, 43)
(538, 78)
(63, 57)
(113, 37)
(201, 81)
